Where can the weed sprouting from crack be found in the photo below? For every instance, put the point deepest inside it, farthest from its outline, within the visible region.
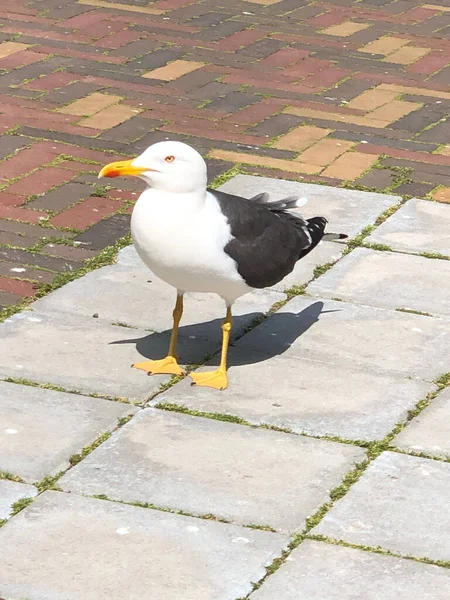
(20, 505)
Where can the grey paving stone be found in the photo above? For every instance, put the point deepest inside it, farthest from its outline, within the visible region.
(430, 431)
(388, 280)
(128, 292)
(10, 492)
(66, 546)
(349, 336)
(319, 571)
(205, 466)
(418, 226)
(348, 211)
(307, 396)
(400, 503)
(78, 353)
(40, 429)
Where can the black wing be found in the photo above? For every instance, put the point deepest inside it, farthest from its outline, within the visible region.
(267, 240)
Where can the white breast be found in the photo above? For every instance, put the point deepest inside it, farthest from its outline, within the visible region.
(181, 238)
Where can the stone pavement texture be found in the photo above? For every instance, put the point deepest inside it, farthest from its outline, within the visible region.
(323, 472)
(350, 93)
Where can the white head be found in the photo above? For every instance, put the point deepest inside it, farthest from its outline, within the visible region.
(168, 166)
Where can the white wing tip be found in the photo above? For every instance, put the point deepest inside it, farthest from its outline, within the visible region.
(301, 202)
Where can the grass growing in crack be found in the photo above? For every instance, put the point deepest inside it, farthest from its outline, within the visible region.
(20, 505)
(101, 191)
(224, 177)
(379, 550)
(260, 527)
(10, 477)
(121, 421)
(322, 269)
(76, 458)
(179, 408)
(413, 312)
(49, 482)
(434, 255)
(379, 247)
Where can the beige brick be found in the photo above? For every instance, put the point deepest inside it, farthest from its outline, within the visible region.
(407, 55)
(372, 99)
(324, 152)
(128, 7)
(345, 29)
(300, 138)
(173, 70)
(406, 89)
(110, 117)
(350, 166)
(265, 161)
(385, 45)
(442, 194)
(8, 48)
(394, 110)
(90, 104)
(338, 117)
(437, 7)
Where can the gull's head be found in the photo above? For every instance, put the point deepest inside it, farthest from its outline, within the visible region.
(167, 166)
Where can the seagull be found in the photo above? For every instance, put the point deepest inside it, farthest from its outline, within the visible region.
(202, 240)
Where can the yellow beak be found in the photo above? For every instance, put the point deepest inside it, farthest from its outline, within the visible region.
(122, 169)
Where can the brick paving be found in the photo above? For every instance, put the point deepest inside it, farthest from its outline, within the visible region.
(347, 93)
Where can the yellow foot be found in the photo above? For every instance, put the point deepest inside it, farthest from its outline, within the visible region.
(164, 366)
(213, 379)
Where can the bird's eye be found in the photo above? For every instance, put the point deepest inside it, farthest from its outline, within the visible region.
(169, 159)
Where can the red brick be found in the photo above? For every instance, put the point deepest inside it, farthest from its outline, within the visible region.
(116, 60)
(325, 79)
(83, 20)
(50, 35)
(135, 87)
(306, 67)
(102, 29)
(51, 82)
(74, 166)
(20, 59)
(15, 286)
(435, 61)
(11, 199)
(119, 39)
(285, 57)
(23, 162)
(22, 214)
(221, 134)
(255, 113)
(425, 157)
(418, 14)
(57, 148)
(86, 213)
(240, 40)
(146, 21)
(40, 181)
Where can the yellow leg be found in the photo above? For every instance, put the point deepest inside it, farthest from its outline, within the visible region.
(168, 365)
(217, 379)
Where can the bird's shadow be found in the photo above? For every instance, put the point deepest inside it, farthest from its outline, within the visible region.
(197, 342)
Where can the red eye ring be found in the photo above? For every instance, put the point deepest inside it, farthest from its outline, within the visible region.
(169, 159)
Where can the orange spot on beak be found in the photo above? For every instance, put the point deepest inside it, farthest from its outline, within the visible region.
(122, 169)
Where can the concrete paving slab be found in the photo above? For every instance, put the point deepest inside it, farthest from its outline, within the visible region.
(430, 431)
(347, 211)
(204, 466)
(400, 504)
(349, 335)
(29, 418)
(388, 280)
(127, 292)
(92, 356)
(319, 571)
(307, 397)
(10, 492)
(418, 226)
(66, 546)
